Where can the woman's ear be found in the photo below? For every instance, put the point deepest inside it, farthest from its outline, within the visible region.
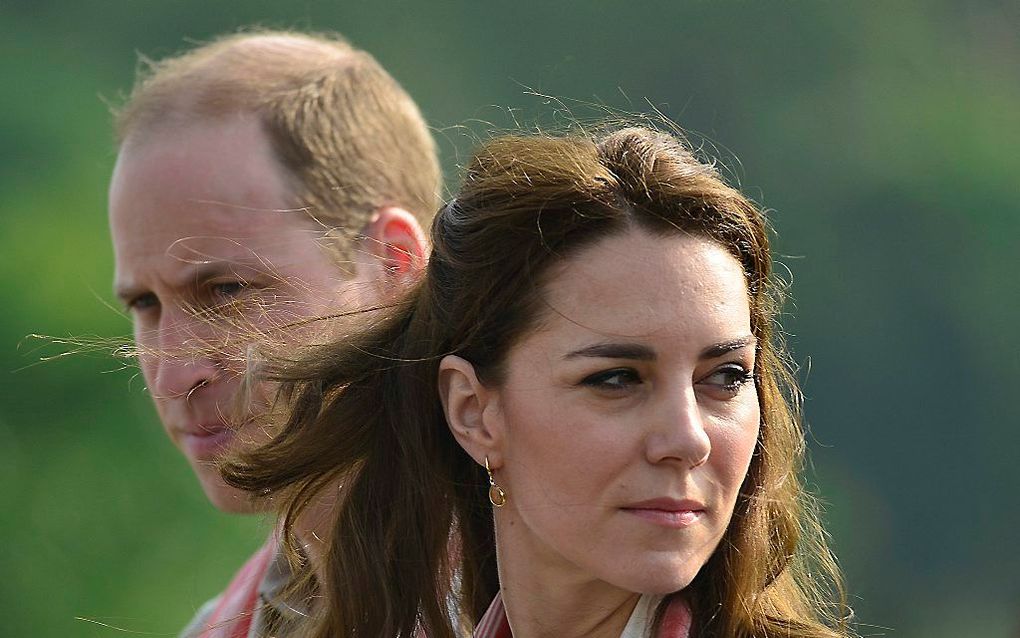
(396, 239)
(472, 410)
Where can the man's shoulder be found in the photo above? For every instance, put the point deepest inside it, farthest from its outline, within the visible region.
(200, 620)
(240, 599)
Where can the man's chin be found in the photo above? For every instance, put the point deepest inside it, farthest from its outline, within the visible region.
(229, 499)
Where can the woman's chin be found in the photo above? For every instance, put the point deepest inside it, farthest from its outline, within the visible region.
(658, 581)
(664, 588)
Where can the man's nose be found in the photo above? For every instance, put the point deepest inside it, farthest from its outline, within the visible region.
(185, 359)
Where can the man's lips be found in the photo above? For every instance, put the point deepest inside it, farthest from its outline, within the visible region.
(206, 441)
(204, 429)
(668, 512)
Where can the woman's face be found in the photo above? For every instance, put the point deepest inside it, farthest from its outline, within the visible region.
(629, 416)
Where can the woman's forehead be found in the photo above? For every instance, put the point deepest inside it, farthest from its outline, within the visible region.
(641, 284)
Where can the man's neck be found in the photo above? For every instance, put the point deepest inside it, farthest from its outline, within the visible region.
(313, 529)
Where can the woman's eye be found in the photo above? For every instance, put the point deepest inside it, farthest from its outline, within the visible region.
(616, 379)
(729, 378)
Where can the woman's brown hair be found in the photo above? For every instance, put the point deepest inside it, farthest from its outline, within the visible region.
(365, 409)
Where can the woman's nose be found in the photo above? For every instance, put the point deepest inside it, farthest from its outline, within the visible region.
(678, 430)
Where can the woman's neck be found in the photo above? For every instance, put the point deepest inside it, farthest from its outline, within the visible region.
(545, 596)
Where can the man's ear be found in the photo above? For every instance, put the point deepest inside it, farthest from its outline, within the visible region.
(472, 410)
(396, 239)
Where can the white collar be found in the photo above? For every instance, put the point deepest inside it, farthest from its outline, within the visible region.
(641, 618)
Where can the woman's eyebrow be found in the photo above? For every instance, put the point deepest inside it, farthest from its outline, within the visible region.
(635, 351)
(719, 349)
(640, 352)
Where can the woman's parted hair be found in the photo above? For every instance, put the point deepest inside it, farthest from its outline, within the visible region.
(366, 409)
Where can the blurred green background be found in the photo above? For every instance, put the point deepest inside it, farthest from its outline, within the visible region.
(884, 136)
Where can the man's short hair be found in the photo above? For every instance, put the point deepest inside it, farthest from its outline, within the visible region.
(350, 137)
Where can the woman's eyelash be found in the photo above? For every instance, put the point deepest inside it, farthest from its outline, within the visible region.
(730, 378)
(616, 378)
(734, 376)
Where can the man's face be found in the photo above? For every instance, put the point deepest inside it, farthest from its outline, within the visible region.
(210, 252)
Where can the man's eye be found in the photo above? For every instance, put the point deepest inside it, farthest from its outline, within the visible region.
(729, 378)
(615, 379)
(142, 302)
(227, 290)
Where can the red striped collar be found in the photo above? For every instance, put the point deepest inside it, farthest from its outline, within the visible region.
(238, 604)
(494, 623)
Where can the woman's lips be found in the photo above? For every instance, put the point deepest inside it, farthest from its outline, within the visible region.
(667, 512)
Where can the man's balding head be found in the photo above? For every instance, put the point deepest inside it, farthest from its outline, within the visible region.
(263, 181)
(350, 138)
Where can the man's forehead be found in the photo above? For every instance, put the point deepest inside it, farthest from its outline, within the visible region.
(207, 223)
(248, 249)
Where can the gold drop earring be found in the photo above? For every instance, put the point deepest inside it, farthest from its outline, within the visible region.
(496, 494)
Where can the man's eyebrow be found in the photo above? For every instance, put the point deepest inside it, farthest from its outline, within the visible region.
(635, 351)
(212, 269)
(197, 275)
(726, 347)
(124, 292)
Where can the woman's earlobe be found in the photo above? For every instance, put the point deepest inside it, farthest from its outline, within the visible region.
(465, 401)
